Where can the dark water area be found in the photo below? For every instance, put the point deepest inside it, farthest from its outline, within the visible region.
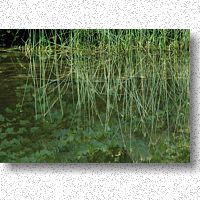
(14, 37)
(84, 108)
(13, 73)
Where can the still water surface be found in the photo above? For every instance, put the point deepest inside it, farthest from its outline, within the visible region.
(105, 98)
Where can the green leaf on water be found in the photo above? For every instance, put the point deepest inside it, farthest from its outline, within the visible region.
(82, 149)
(2, 135)
(8, 124)
(8, 110)
(71, 138)
(5, 144)
(2, 118)
(96, 144)
(139, 150)
(34, 129)
(22, 130)
(10, 130)
(24, 122)
(61, 133)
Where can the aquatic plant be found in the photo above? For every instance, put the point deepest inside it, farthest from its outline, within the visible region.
(121, 94)
(135, 78)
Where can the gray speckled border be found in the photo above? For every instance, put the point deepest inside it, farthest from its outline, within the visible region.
(108, 181)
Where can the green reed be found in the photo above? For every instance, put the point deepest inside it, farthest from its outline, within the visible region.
(102, 40)
(137, 78)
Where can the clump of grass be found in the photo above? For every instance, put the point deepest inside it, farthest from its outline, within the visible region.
(100, 40)
(137, 80)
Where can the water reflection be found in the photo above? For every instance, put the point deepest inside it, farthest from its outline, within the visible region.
(77, 106)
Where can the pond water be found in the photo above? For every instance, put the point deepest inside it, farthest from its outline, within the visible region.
(84, 107)
(12, 74)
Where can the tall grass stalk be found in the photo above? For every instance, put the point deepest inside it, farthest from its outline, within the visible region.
(138, 78)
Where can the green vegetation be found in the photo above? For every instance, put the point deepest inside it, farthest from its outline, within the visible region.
(115, 41)
(101, 96)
